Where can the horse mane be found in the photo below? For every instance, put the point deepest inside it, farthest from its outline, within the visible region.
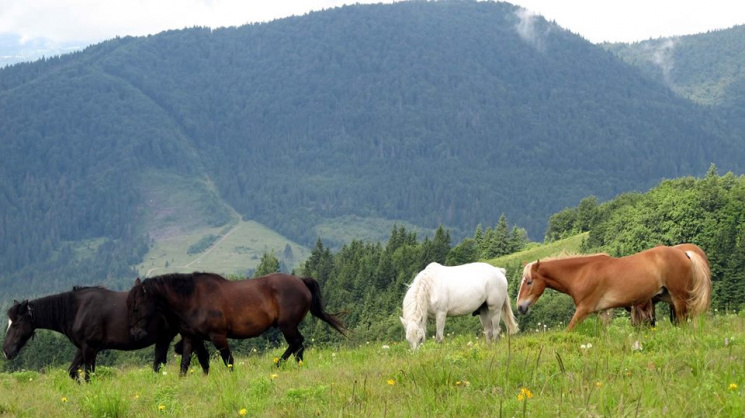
(59, 309)
(416, 300)
(564, 254)
(80, 288)
(182, 284)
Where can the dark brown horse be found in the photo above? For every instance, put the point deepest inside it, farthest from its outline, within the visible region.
(206, 306)
(599, 282)
(94, 319)
(645, 312)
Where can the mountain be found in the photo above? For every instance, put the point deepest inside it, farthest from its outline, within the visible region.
(427, 113)
(707, 68)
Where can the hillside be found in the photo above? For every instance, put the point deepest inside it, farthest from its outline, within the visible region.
(707, 68)
(426, 113)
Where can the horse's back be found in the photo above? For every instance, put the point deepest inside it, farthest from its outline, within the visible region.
(464, 289)
(252, 305)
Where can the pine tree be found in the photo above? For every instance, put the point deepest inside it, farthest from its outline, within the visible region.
(269, 264)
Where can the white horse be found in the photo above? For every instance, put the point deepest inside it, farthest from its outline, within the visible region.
(439, 291)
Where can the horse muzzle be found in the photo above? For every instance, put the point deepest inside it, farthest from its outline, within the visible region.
(523, 308)
(10, 354)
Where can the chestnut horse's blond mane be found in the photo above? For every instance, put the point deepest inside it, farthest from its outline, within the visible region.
(560, 256)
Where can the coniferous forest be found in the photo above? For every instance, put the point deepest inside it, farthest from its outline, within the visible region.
(458, 117)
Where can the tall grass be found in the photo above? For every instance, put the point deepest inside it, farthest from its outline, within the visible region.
(694, 370)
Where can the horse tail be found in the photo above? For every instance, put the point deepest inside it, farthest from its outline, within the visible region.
(316, 306)
(700, 291)
(509, 317)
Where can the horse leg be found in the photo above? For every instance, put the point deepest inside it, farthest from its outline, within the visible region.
(89, 361)
(221, 343)
(486, 322)
(186, 348)
(680, 308)
(295, 343)
(202, 355)
(440, 325)
(75, 366)
(579, 315)
(496, 316)
(160, 355)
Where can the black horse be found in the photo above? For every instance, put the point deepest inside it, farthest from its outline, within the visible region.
(94, 319)
(208, 306)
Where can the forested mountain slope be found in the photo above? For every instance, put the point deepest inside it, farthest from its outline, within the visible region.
(427, 112)
(708, 68)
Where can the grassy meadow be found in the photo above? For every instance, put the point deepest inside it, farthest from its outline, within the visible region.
(596, 370)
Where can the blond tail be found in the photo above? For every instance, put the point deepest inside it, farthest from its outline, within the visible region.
(700, 292)
(509, 317)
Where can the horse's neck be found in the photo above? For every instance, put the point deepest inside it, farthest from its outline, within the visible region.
(561, 275)
(52, 312)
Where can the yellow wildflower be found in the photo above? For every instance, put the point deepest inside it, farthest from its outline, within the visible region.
(733, 386)
(598, 384)
(64, 399)
(299, 362)
(161, 407)
(275, 375)
(276, 360)
(137, 396)
(391, 382)
(524, 393)
(242, 411)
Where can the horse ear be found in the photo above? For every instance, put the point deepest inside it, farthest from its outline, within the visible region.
(537, 263)
(137, 282)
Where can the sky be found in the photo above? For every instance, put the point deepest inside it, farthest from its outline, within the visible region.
(30, 26)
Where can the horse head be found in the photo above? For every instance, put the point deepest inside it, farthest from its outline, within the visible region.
(531, 287)
(140, 310)
(20, 328)
(414, 333)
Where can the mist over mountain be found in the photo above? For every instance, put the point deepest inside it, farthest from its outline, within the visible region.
(429, 113)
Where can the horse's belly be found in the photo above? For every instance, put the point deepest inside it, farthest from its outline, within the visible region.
(456, 309)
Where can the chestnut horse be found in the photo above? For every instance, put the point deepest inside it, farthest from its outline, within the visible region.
(206, 306)
(599, 282)
(93, 319)
(645, 312)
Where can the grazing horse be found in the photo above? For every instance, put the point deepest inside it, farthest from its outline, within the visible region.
(599, 282)
(206, 306)
(94, 319)
(645, 312)
(439, 291)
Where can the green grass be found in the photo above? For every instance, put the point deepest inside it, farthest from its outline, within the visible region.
(238, 248)
(183, 212)
(694, 370)
(538, 251)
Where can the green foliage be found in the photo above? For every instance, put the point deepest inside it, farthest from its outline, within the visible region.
(202, 244)
(269, 264)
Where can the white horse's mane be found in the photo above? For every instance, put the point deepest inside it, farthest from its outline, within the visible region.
(416, 300)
